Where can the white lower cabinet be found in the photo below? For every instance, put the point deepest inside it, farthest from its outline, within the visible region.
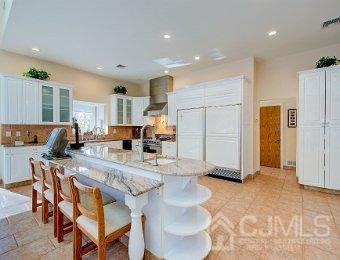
(15, 163)
(169, 149)
(134, 144)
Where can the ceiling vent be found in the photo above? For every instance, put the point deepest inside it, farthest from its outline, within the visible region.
(120, 66)
(331, 22)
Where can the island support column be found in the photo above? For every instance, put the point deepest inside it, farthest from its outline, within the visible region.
(136, 239)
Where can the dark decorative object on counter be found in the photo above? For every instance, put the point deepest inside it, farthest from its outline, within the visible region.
(326, 62)
(76, 145)
(120, 90)
(37, 74)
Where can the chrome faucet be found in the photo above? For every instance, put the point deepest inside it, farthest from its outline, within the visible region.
(141, 152)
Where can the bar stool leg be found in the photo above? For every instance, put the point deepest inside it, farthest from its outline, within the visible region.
(34, 200)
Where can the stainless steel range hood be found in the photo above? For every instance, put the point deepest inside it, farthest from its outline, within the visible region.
(159, 87)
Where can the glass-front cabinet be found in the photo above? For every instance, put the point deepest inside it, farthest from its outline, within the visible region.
(47, 104)
(121, 110)
(56, 104)
(128, 106)
(64, 105)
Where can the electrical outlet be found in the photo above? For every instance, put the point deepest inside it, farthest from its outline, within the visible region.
(8, 133)
(17, 133)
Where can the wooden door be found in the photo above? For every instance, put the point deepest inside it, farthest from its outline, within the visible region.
(270, 136)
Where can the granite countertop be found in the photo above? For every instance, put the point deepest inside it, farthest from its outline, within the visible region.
(125, 182)
(179, 166)
(25, 145)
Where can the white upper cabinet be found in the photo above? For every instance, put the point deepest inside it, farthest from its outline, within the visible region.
(11, 100)
(121, 110)
(172, 109)
(65, 104)
(139, 105)
(192, 97)
(312, 99)
(31, 101)
(224, 92)
(48, 112)
(56, 104)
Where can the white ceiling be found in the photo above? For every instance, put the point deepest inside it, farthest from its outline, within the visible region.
(86, 34)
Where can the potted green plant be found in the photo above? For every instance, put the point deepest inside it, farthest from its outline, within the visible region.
(326, 62)
(120, 90)
(37, 74)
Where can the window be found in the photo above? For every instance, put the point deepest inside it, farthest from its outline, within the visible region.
(88, 115)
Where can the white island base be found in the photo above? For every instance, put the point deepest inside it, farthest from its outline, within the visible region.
(175, 223)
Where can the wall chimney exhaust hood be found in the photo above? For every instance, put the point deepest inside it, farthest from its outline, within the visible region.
(159, 87)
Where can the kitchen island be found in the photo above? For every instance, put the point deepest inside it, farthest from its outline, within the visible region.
(168, 195)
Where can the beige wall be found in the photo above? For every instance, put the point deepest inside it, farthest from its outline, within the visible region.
(242, 67)
(86, 86)
(277, 81)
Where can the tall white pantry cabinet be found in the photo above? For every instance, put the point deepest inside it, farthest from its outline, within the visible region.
(319, 128)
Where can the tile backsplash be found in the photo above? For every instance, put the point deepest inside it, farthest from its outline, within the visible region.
(42, 132)
(27, 132)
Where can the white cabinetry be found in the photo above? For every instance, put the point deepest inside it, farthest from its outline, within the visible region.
(319, 128)
(126, 110)
(121, 110)
(11, 100)
(223, 135)
(30, 106)
(138, 106)
(192, 97)
(31, 101)
(190, 135)
(56, 104)
(215, 124)
(172, 109)
(169, 149)
(15, 164)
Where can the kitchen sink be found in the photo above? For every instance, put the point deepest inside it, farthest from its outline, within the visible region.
(162, 161)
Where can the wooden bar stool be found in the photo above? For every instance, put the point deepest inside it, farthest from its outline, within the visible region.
(101, 224)
(49, 196)
(64, 206)
(36, 183)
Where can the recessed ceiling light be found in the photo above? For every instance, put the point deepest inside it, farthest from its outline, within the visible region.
(99, 68)
(272, 33)
(167, 36)
(166, 72)
(197, 57)
(35, 49)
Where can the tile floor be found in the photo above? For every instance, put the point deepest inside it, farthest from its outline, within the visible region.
(269, 217)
